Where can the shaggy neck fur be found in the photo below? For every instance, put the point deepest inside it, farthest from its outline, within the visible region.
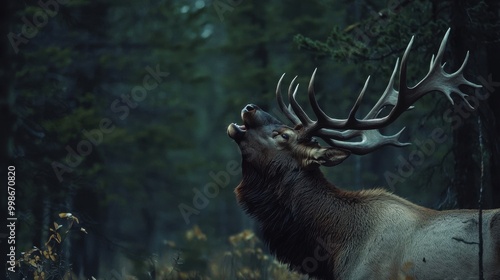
(306, 221)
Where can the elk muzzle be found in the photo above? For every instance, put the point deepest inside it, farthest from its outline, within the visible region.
(253, 117)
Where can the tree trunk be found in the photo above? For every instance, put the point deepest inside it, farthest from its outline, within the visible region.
(475, 146)
(492, 105)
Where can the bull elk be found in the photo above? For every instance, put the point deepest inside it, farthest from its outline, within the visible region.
(329, 233)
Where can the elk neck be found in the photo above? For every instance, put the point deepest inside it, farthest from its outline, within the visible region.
(302, 215)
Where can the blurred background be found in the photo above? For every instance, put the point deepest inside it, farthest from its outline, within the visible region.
(115, 117)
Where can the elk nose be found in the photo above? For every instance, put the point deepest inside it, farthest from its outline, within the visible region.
(251, 107)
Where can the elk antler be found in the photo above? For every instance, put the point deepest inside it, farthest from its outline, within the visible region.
(367, 128)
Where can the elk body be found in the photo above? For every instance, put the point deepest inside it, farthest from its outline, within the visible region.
(329, 233)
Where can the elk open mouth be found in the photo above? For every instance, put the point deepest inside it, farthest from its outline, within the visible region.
(235, 131)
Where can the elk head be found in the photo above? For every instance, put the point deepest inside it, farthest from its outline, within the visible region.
(262, 139)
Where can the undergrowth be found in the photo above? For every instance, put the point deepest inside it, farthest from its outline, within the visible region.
(193, 258)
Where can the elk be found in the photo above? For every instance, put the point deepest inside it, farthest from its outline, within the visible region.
(330, 233)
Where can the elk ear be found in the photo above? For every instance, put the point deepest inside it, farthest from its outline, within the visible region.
(329, 156)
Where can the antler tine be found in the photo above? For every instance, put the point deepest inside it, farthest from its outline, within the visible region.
(299, 112)
(320, 114)
(389, 97)
(351, 119)
(464, 81)
(313, 101)
(402, 69)
(442, 46)
(286, 111)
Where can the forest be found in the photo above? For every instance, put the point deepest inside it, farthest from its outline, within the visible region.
(115, 153)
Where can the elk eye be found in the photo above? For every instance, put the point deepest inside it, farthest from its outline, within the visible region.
(285, 136)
